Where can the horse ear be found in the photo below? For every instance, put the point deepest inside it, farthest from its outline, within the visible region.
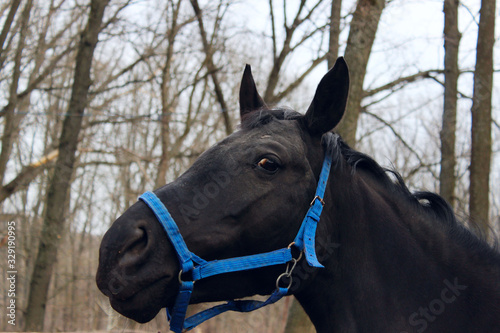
(330, 99)
(250, 99)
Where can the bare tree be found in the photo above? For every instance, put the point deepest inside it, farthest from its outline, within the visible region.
(27, 174)
(209, 63)
(480, 164)
(19, 101)
(333, 43)
(166, 91)
(363, 29)
(293, 39)
(58, 192)
(12, 120)
(447, 178)
(7, 27)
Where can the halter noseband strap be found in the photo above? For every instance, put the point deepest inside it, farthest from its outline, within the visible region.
(200, 269)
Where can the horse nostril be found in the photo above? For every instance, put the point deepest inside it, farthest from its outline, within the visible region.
(134, 252)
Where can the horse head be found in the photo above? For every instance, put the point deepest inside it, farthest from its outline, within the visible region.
(247, 194)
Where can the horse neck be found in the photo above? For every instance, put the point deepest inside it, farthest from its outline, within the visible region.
(389, 261)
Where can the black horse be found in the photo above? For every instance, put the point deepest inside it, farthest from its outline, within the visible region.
(394, 261)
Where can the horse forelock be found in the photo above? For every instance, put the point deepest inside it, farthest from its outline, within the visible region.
(264, 116)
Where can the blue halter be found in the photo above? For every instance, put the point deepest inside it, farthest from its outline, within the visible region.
(200, 269)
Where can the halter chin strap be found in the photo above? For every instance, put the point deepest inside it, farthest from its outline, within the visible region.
(200, 269)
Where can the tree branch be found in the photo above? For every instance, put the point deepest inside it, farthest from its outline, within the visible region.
(27, 174)
(400, 138)
(211, 67)
(301, 78)
(403, 80)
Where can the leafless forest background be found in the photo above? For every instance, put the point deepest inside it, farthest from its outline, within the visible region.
(102, 100)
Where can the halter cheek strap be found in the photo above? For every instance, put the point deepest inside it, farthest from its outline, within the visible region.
(200, 269)
(306, 236)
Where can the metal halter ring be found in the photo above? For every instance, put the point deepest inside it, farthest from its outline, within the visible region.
(288, 271)
(180, 277)
(281, 276)
(180, 273)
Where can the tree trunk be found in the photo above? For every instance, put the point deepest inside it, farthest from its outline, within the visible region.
(19, 102)
(212, 70)
(333, 45)
(362, 33)
(7, 26)
(298, 321)
(59, 186)
(481, 118)
(12, 120)
(166, 103)
(452, 36)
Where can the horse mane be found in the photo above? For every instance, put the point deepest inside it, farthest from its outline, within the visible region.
(429, 203)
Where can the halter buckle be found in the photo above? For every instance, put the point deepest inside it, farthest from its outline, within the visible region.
(320, 200)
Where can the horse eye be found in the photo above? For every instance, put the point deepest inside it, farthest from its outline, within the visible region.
(268, 165)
